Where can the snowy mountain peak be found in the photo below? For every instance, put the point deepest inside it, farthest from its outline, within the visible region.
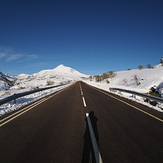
(68, 71)
(61, 65)
(61, 68)
(60, 74)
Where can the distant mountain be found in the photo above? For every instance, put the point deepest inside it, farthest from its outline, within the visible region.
(61, 70)
(135, 79)
(6, 80)
(6, 77)
(58, 75)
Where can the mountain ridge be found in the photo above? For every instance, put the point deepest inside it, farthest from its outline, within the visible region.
(147, 78)
(58, 75)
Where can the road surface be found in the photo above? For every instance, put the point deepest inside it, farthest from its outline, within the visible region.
(56, 129)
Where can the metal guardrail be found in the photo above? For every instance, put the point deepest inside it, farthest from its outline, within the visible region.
(158, 99)
(15, 96)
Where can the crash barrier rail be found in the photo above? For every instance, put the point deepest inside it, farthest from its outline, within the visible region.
(18, 95)
(153, 98)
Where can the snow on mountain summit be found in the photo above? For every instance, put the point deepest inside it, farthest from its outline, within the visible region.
(63, 71)
(62, 68)
(68, 70)
(58, 75)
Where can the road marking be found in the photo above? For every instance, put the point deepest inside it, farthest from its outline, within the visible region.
(84, 102)
(21, 113)
(81, 89)
(26, 108)
(94, 142)
(21, 110)
(131, 106)
(82, 96)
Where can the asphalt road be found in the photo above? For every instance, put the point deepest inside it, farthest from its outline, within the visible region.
(56, 130)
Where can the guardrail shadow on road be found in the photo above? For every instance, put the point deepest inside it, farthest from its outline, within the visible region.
(88, 152)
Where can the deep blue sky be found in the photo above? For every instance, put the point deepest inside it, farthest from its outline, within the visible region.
(91, 36)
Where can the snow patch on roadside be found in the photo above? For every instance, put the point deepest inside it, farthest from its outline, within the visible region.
(137, 99)
(25, 100)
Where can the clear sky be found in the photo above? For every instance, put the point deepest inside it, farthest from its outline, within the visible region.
(91, 36)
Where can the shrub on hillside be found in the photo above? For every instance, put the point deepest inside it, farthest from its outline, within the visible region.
(149, 66)
(50, 82)
(111, 74)
(140, 67)
(152, 92)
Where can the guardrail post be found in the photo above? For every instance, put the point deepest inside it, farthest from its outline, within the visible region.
(119, 92)
(134, 96)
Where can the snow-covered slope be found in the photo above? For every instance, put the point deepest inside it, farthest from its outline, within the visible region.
(137, 80)
(140, 80)
(6, 77)
(6, 80)
(63, 71)
(59, 75)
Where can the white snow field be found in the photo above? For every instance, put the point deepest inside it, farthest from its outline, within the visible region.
(135, 80)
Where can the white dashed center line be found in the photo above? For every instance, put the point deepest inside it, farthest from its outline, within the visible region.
(84, 102)
(93, 138)
(81, 91)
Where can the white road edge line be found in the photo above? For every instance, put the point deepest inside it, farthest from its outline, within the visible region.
(132, 106)
(22, 110)
(30, 107)
(94, 142)
(84, 102)
(21, 113)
